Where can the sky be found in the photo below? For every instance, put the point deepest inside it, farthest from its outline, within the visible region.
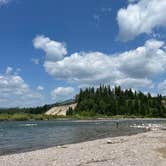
(50, 49)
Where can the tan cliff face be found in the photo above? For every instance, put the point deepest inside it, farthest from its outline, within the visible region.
(60, 110)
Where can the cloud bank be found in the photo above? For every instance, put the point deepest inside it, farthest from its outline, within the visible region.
(136, 68)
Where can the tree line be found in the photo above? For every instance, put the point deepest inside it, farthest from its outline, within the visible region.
(35, 110)
(107, 101)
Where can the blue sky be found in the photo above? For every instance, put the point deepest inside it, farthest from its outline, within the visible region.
(49, 49)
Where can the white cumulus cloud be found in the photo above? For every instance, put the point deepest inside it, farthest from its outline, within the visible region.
(146, 61)
(85, 68)
(128, 68)
(137, 68)
(54, 50)
(141, 17)
(14, 92)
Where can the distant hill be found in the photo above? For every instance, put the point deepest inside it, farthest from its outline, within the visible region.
(102, 101)
(35, 110)
(66, 102)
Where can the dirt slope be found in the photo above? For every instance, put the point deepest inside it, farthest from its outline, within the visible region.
(60, 110)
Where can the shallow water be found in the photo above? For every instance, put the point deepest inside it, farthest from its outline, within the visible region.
(25, 136)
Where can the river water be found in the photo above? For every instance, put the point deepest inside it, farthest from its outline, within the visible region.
(24, 136)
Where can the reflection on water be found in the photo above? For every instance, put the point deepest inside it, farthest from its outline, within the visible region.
(24, 136)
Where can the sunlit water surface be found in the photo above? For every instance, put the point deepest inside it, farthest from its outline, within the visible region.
(25, 136)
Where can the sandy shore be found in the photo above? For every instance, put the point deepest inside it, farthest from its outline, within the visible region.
(145, 149)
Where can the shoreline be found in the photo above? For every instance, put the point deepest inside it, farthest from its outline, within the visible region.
(141, 149)
(87, 119)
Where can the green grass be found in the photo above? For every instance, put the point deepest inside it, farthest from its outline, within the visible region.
(26, 117)
(82, 116)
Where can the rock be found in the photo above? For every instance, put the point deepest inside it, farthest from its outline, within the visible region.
(58, 146)
(61, 146)
(109, 142)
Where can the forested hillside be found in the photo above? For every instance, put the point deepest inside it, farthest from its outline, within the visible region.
(110, 102)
